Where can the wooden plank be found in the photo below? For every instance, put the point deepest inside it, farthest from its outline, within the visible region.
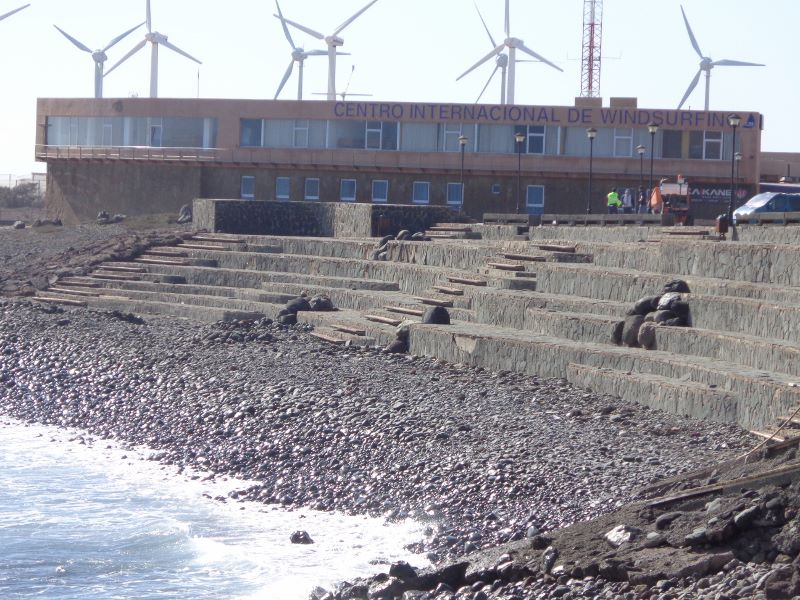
(453, 291)
(348, 329)
(56, 300)
(165, 252)
(385, 320)
(768, 435)
(73, 291)
(113, 277)
(505, 266)
(206, 247)
(434, 301)
(466, 281)
(406, 311)
(784, 418)
(327, 338)
(122, 269)
(79, 282)
(451, 228)
(530, 257)
(163, 261)
(217, 239)
(553, 248)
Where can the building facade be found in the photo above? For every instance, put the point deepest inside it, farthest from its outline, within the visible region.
(143, 155)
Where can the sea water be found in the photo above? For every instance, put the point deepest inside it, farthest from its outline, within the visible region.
(93, 521)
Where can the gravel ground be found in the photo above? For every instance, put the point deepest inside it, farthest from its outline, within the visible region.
(485, 458)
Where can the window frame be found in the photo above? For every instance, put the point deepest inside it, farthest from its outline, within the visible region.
(251, 180)
(455, 188)
(312, 181)
(378, 199)
(423, 198)
(342, 197)
(278, 195)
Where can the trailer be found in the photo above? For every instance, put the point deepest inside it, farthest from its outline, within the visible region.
(673, 199)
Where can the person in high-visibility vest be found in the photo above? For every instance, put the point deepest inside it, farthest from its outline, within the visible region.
(613, 202)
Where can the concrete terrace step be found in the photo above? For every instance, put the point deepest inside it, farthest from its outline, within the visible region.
(755, 397)
(505, 266)
(434, 301)
(176, 261)
(676, 396)
(103, 274)
(445, 289)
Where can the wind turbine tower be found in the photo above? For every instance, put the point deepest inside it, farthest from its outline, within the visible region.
(592, 41)
(333, 41)
(156, 39)
(98, 56)
(11, 12)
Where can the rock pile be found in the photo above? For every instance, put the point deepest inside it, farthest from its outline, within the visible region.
(381, 251)
(288, 315)
(668, 308)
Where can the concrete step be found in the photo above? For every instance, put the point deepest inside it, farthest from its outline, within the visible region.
(756, 397)
(218, 238)
(455, 227)
(153, 275)
(325, 336)
(524, 257)
(450, 290)
(466, 280)
(58, 299)
(513, 283)
(177, 261)
(447, 303)
(73, 290)
(404, 310)
(382, 319)
(505, 266)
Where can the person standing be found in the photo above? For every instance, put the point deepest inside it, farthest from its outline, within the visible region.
(642, 201)
(627, 202)
(613, 202)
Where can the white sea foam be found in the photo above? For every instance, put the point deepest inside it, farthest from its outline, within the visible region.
(93, 520)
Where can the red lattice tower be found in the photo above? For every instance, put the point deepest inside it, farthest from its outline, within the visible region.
(592, 40)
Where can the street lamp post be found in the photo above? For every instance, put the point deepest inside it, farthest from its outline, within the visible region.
(462, 142)
(519, 137)
(733, 121)
(640, 151)
(590, 133)
(653, 129)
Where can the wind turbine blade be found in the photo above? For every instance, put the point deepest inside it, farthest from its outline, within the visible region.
(691, 35)
(174, 48)
(16, 10)
(318, 53)
(491, 39)
(73, 40)
(135, 49)
(302, 28)
(530, 52)
(691, 87)
(121, 36)
(283, 24)
(353, 18)
(487, 83)
(494, 52)
(285, 78)
(148, 20)
(734, 63)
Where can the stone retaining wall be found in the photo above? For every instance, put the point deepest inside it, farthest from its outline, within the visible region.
(317, 219)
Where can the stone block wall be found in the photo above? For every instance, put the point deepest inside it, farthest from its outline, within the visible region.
(317, 219)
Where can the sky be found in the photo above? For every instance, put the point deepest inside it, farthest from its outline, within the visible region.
(401, 50)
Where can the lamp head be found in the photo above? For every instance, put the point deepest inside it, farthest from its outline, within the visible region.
(519, 137)
(591, 133)
(652, 128)
(462, 140)
(640, 150)
(737, 156)
(734, 120)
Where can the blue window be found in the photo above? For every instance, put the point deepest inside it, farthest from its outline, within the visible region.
(421, 193)
(248, 187)
(311, 188)
(380, 190)
(347, 190)
(282, 188)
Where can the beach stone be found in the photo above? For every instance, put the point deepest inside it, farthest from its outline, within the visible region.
(645, 305)
(403, 235)
(185, 214)
(616, 332)
(630, 331)
(381, 244)
(667, 300)
(19, 225)
(298, 304)
(301, 537)
(288, 319)
(676, 285)
(647, 335)
(397, 346)
(661, 316)
(404, 329)
(321, 302)
(436, 315)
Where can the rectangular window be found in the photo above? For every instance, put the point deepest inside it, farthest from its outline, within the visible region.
(301, 134)
(671, 143)
(374, 135)
(623, 142)
(155, 136)
(311, 188)
(712, 145)
(534, 142)
(250, 135)
(380, 190)
(534, 199)
(282, 189)
(455, 194)
(452, 131)
(421, 193)
(108, 134)
(347, 190)
(248, 187)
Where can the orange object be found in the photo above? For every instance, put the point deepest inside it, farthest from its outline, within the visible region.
(656, 201)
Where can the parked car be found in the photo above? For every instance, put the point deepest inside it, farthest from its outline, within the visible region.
(767, 202)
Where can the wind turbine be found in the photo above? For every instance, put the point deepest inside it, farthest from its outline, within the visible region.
(501, 63)
(706, 64)
(298, 55)
(98, 56)
(513, 44)
(344, 93)
(16, 10)
(333, 41)
(155, 38)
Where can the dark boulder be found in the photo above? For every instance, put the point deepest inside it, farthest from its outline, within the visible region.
(185, 214)
(676, 285)
(645, 305)
(647, 335)
(616, 332)
(436, 315)
(301, 537)
(288, 319)
(397, 346)
(383, 241)
(403, 235)
(668, 300)
(630, 331)
(321, 302)
(663, 315)
(298, 304)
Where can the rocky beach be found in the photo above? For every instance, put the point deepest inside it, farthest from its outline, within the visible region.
(497, 464)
